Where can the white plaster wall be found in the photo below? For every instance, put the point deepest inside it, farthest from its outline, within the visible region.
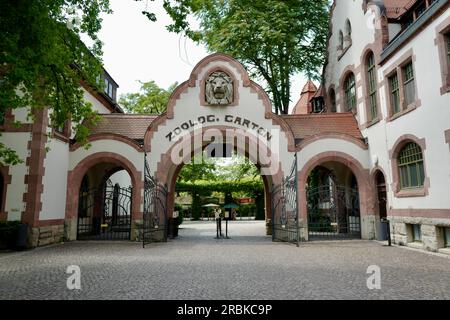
(334, 145)
(14, 204)
(53, 198)
(429, 121)
(96, 105)
(188, 108)
(394, 29)
(135, 157)
(122, 178)
(21, 114)
(363, 34)
(118, 147)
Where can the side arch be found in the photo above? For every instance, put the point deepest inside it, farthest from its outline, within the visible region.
(75, 177)
(365, 189)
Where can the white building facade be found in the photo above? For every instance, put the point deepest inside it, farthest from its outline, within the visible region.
(388, 63)
(372, 143)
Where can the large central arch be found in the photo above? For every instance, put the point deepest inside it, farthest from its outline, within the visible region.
(190, 117)
(168, 169)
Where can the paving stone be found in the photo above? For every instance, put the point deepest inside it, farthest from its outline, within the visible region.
(248, 266)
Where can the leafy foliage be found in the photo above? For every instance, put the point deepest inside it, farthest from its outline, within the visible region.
(273, 39)
(198, 169)
(43, 61)
(150, 100)
(250, 186)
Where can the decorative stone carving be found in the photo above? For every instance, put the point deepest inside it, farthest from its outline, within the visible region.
(219, 89)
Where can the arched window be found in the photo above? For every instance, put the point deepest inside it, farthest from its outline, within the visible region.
(348, 29)
(333, 101)
(341, 40)
(410, 166)
(350, 92)
(371, 87)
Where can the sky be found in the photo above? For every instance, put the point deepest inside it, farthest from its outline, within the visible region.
(136, 49)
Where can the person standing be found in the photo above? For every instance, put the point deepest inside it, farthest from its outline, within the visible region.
(218, 223)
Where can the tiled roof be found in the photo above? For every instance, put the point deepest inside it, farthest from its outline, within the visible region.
(396, 8)
(307, 125)
(132, 126)
(303, 126)
(303, 105)
(320, 93)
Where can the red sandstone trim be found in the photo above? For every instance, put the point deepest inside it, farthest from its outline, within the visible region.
(375, 49)
(176, 94)
(342, 101)
(4, 171)
(396, 68)
(218, 57)
(365, 188)
(373, 180)
(75, 176)
(440, 41)
(109, 136)
(35, 162)
(152, 129)
(420, 213)
(9, 126)
(48, 223)
(167, 171)
(255, 88)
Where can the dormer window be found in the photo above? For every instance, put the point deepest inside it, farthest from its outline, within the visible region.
(110, 88)
(416, 12)
(318, 105)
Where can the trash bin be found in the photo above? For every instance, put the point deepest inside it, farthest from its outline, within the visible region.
(384, 230)
(173, 227)
(176, 224)
(21, 237)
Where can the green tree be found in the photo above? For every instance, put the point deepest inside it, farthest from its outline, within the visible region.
(237, 169)
(198, 169)
(150, 100)
(43, 60)
(273, 39)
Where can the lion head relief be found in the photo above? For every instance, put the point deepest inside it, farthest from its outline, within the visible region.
(219, 89)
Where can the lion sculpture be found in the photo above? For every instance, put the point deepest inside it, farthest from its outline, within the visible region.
(219, 89)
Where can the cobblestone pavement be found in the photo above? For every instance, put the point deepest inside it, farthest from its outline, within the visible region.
(249, 266)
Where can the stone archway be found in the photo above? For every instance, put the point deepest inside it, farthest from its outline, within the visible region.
(365, 189)
(168, 170)
(75, 178)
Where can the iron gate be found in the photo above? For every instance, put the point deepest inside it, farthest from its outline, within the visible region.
(333, 212)
(104, 214)
(285, 222)
(155, 209)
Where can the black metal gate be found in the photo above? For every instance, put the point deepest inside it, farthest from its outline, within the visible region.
(333, 212)
(155, 209)
(285, 220)
(104, 214)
